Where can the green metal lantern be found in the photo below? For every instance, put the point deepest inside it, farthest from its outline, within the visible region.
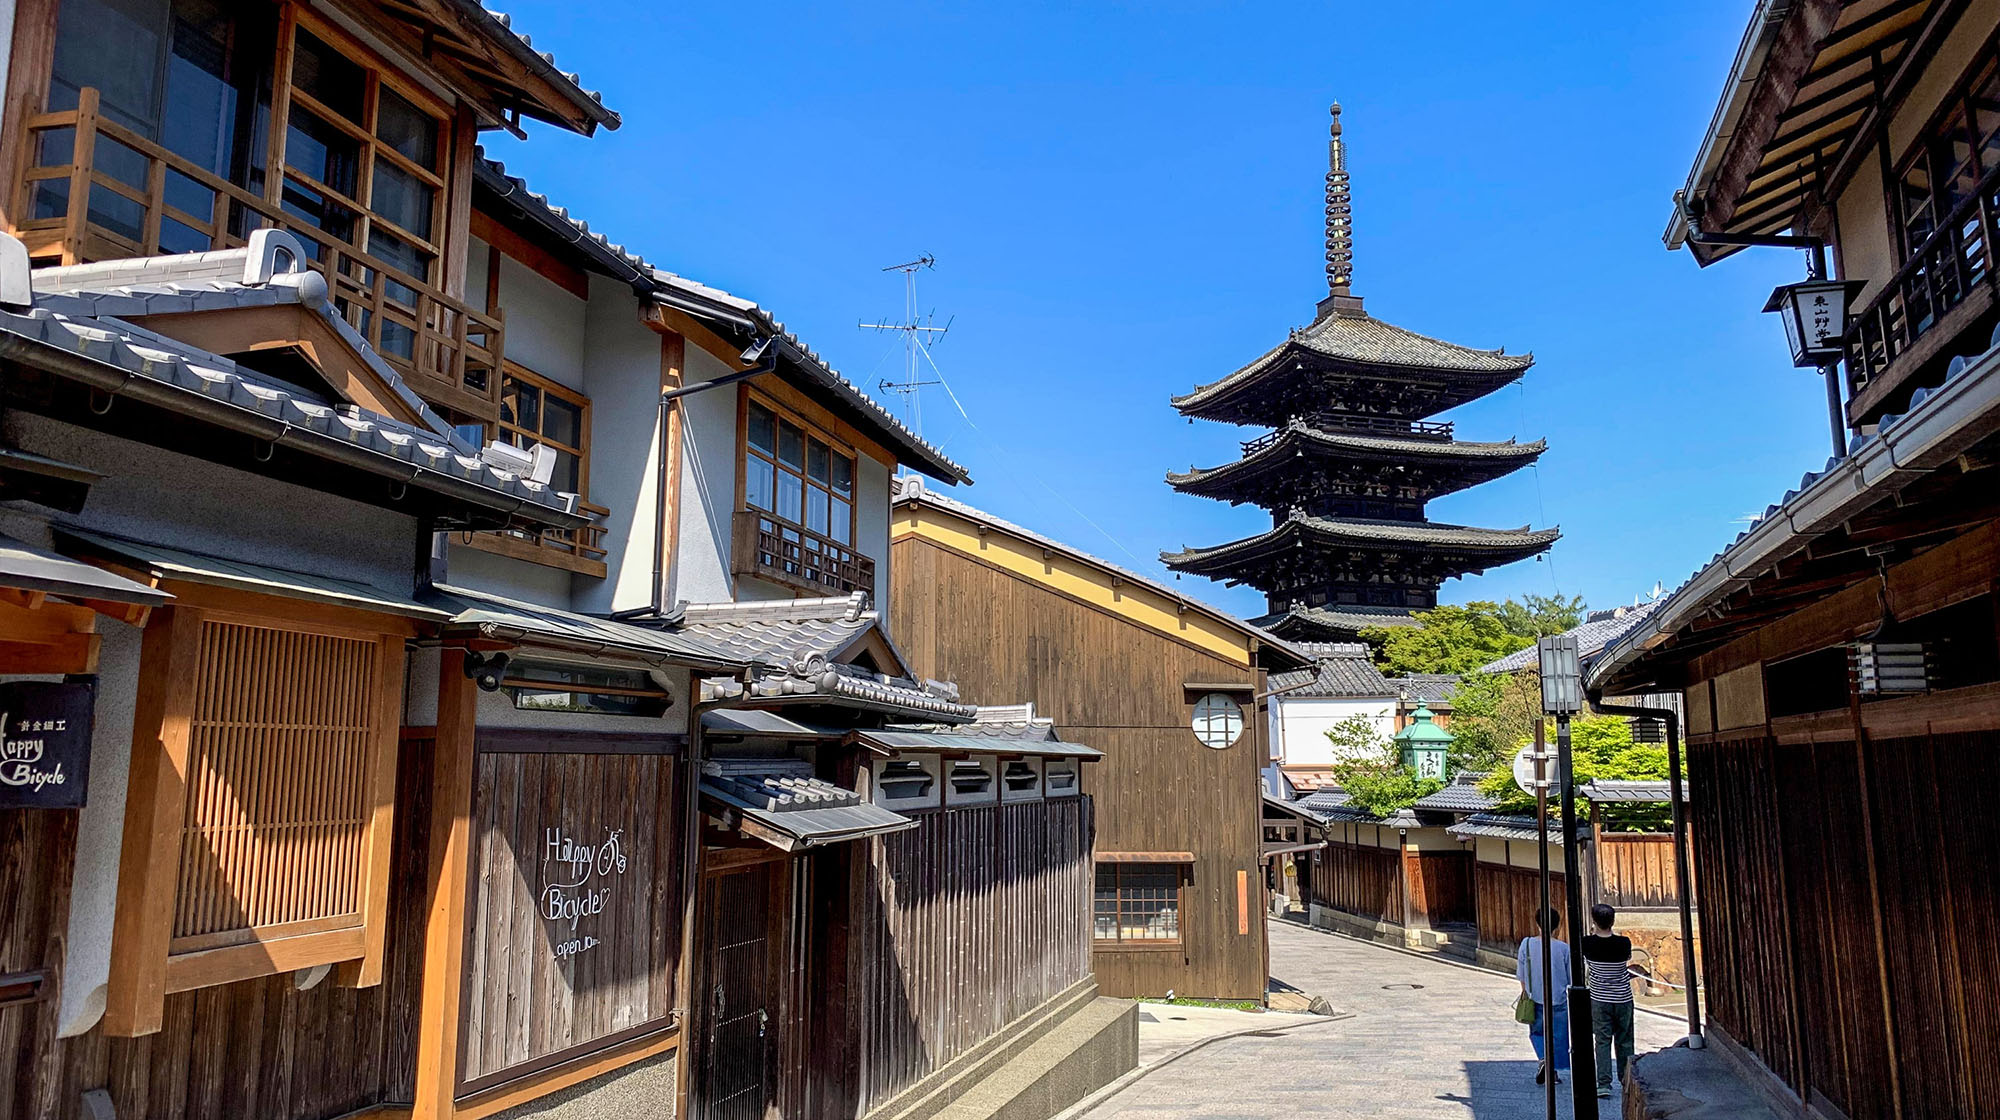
(1423, 745)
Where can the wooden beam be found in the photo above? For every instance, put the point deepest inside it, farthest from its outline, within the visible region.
(673, 373)
(30, 58)
(1789, 59)
(446, 865)
(662, 318)
(530, 254)
(458, 208)
(71, 653)
(503, 1097)
(155, 800)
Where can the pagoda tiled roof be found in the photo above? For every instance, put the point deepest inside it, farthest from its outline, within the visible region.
(1475, 462)
(1300, 623)
(1356, 339)
(1497, 546)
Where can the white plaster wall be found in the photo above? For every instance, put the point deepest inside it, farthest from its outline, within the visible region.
(621, 370)
(708, 488)
(1865, 249)
(1299, 726)
(474, 570)
(1434, 840)
(1941, 73)
(871, 534)
(546, 329)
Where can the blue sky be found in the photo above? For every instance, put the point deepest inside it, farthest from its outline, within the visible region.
(1125, 201)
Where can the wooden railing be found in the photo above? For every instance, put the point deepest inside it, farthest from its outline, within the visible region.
(1362, 424)
(94, 190)
(770, 547)
(577, 550)
(1948, 268)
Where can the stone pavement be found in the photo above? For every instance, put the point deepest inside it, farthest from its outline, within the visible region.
(1426, 1040)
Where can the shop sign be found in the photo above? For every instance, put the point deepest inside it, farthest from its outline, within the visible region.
(578, 878)
(45, 744)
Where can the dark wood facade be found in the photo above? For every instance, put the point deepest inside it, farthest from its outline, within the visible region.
(1106, 659)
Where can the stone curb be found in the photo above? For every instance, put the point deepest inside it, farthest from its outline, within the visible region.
(1077, 1110)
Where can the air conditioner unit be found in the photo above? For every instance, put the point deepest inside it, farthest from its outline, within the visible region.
(536, 462)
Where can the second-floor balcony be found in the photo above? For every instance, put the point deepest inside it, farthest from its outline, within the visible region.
(95, 190)
(1356, 423)
(784, 552)
(1912, 324)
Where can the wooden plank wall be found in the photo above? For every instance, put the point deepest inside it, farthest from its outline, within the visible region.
(1364, 881)
(257, 1048)
(1116, 686)
(37, 850)
(962, 925)
(1635, 870)
(1441, 886)
(1813, 859)
(1506, 902)
(535, 986)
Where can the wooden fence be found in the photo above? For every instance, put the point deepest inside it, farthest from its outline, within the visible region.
(1364, 881)
(962, 925)
(1848, 927)
(1508, 898)
(1441, 887)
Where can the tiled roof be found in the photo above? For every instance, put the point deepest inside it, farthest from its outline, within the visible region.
(1325, 800)
(1600, 630)
(911, 489)
(1633, 790)
(637, 271)
(1349, 673)
(534, 624)
(106, 352)
(783, 631)
(1432, 689)
(1502, 826)
(1300, 622)
(1299, 437)
(1365, 340)
(499, 28)
(1461, 796)
(1366, 534)
(783, 794)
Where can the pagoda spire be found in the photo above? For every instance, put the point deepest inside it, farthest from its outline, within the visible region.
(1339, 214)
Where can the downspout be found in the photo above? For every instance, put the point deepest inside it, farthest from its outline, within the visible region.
(763, 357)
(1681, 867)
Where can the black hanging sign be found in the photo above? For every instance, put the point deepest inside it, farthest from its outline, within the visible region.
(45, 744)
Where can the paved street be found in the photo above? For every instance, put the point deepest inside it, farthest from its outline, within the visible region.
(1426, 1041)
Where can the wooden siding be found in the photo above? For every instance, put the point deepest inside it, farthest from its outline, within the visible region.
(1811, 858)
(1507, 900)
(1359, 880)
(537, 986)
(258, 1047)
(1115, 685)
(961, 926)
(1633, 870)
(1441, 890)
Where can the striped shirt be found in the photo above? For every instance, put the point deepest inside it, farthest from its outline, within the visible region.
(1607, 961)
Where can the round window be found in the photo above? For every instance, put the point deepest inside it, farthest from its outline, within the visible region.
(1218, 720)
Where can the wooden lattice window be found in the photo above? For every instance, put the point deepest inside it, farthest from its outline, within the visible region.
(280, 785)
(261, 798)
(1138, 902)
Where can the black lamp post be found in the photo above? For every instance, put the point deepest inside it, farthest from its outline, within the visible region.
(1815, 316)
(1561, 671)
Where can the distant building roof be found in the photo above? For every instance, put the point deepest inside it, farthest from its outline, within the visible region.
(1461, 796)
(1340, 670)
(1635, 790)
(1502, 826)
(1302, 623)
(1599, 629)
(1489, 546)
(1432, 690)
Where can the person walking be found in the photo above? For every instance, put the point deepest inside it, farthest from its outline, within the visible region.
(1607, 962)
(1528, 970)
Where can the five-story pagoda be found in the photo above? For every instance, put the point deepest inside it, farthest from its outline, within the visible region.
(1353, 459)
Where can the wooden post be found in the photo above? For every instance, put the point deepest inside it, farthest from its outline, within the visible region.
(32, 57)
(388, 699)
(155, 803)
(673, 370)
(444, 891)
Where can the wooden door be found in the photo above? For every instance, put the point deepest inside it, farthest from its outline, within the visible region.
(741, 993)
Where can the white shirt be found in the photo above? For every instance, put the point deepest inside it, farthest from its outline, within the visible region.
(1528, 968)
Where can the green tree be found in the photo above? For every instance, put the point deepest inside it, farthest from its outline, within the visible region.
(1367, 767)
(1356, 737)
(1449, 639)
(1538, 616)
(1492, 714)
(1601, 747)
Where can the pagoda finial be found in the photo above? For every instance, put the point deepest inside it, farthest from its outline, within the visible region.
(1339, 214)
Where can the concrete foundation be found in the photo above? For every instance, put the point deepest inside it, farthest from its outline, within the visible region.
(1682, 1084)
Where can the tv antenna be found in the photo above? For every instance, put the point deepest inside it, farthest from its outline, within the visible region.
(919, 335)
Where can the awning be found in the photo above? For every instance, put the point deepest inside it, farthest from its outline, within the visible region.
(779, 802)
(33, 569)
(928, 742)
(761, 721)
(166, 562)
(481, 614)
(1145, 857)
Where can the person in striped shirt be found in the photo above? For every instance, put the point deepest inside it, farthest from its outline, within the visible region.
(1607, 963)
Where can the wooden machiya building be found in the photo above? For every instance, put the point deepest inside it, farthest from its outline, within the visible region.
(1170, 690)
(357, 759)
(1353, 456)
(1838, 658)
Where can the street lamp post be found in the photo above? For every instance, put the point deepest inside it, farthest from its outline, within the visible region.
(1562, 697)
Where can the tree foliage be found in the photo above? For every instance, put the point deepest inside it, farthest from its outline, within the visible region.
(1492, 714)
(1601, 747)
(1448, 639)
(1369, 770)
(1538, 616)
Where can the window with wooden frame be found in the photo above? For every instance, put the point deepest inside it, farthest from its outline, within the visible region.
(534, 409)
(262, 790)
(797, 521)
(1138, 903)
(548, 687)
(1945, 167)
